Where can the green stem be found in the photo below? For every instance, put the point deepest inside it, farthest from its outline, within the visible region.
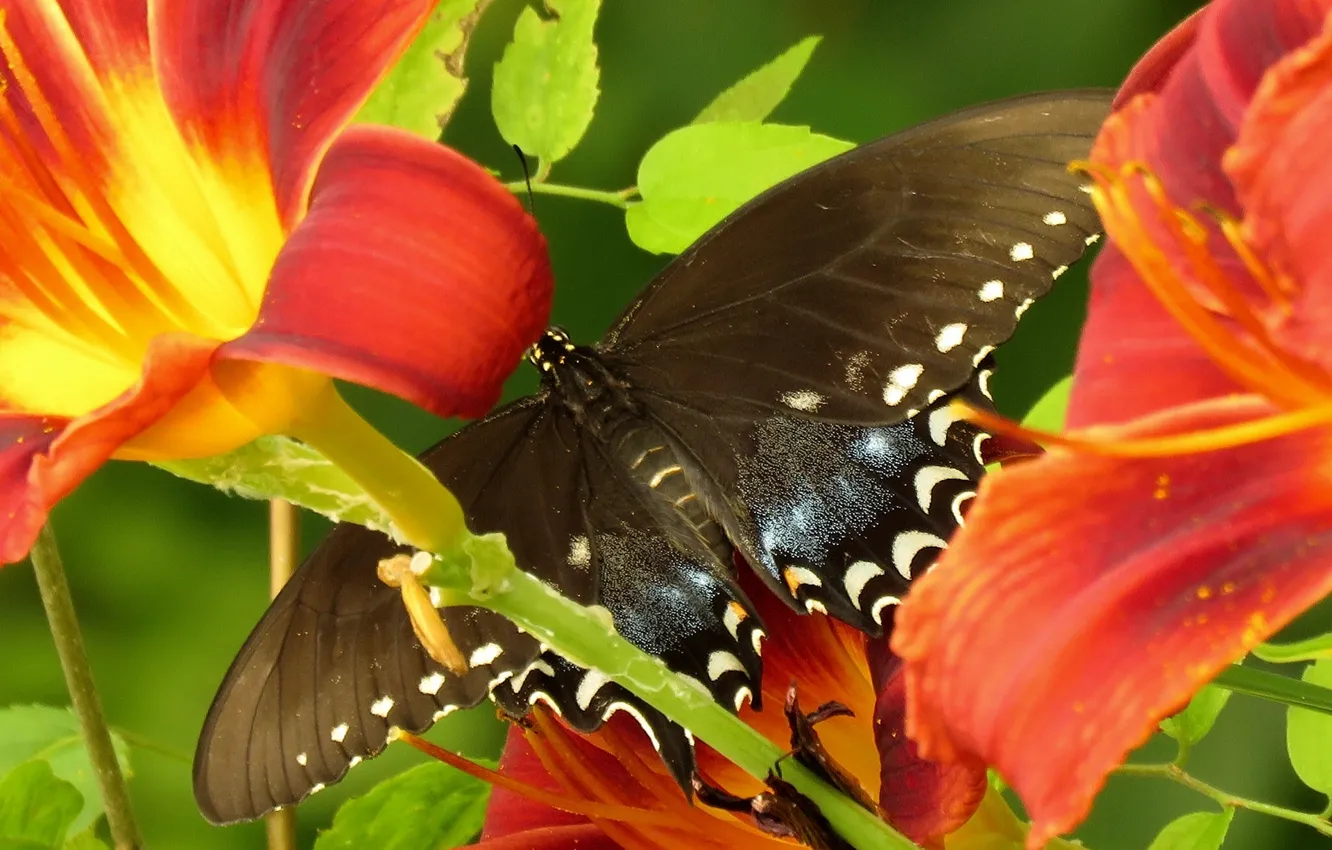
(486, 569)
(1275, 687)
(1175, 774)
(1302, 650)
(68, 638)
(423, 513)
(615, 199)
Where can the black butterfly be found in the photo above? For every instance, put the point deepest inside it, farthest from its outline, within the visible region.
(780, 392)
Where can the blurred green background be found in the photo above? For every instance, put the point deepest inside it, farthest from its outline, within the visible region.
(169, 577)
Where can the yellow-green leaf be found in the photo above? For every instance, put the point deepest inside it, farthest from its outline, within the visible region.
(1196, 831)
(697, 175)
(1193, 723)
(1309, 734)
(758, 94)
(432, 806)
(36, 807)
(1048, 413)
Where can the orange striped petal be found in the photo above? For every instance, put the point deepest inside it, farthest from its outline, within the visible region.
(415, 272)
(276, 75)
(1056, 632)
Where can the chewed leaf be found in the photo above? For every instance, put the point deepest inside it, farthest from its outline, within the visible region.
(1193, 723)
(37, 808)
(432, 805)
(1309, 735)
(1048, 413)
(697, 175)
(546, 84)
(1196, 831)
(52, 735)
(759, 93)
(421, 91)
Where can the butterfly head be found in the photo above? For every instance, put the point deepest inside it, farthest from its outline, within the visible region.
(551, 350)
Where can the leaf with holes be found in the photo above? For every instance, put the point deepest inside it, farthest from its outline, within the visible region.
(1193, 723)
(37, 808)
(1047, 414)
(52, 735)
(697, 175)
(432, 805)
(421, 91)
(1196, 831)
(546, 84)
(1309, 734)
(759, 93)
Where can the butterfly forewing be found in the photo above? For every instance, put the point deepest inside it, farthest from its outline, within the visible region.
(864, 288)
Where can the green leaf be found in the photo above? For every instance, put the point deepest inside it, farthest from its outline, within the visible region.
(36, 807)
(1310, 649)
(421, 91)
(757, 95)
(1193, 723)
(1196, 831)
(1309, 734)
(52, 735)
(431, 806)
(86, 840)
(545, 85)
(1048, 413)
(697, 175)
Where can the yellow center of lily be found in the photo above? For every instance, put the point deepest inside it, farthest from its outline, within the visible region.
(120, 228)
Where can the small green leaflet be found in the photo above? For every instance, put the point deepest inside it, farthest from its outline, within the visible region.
(545, 85)
(421, 91)
(758, 94)
(1193, 723)
(1309, 734)
(36, 807)
(52, 735)
(1048, 413)
(1310, 649)
(1196, 831)
(697, 175)
(430, 806)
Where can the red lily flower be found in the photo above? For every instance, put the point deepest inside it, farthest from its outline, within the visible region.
(193, 244)
(1188, 517)
(627, 799)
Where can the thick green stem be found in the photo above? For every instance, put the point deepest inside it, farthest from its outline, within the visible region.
(485, 569)
(1275, 687)
(68, 638)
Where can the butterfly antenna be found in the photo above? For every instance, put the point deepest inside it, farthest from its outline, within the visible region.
(527, 177)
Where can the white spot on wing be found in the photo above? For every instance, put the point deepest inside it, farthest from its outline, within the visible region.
(580, 551)
(1092, 240)
(588, 687)
(443, 712)
(900, 382)
(814, 606)
(958, 501)
(317, 787)
(721, 662)
(983, 381)
(538, 666)
(484, 654)
(732, 622)
(1021, 252)
(991, 290)
(1058, 272)
(355, 760)
(941, 419)
(431, 684)
(801, 576)
(756, 640)
(339, 732)
(976, 447)
(807, 401)
(908, 544)
(1023, 307)
(883, 602)
(636, 715)
(1056, 218)
(950, 337)
(858, 575)
(742, 696)
(929, 477)
(981, 354)
(382, 706)
(302, 759)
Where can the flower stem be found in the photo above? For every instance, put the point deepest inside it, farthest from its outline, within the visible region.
(1176, 774)
(424, 514)
(68, 638)
(284, 554)
(1275, 687)
(615, 199)
(586, 636)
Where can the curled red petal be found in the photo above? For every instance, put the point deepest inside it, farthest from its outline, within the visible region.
(279, 73)
(174, 365)
(509, 814)
(1152, 71)
(925, 800)
(1282, 167)
(1089, 597)
(415, 272)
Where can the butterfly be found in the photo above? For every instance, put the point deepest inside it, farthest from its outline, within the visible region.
(777, 399)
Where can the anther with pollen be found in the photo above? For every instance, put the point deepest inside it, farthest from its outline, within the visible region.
(400, 571)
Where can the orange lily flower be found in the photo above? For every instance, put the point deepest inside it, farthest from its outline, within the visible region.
(193, 242)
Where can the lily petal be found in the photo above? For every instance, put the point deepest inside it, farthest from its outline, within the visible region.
(175, 366)
(510, 814)
(1055, 633)
(288, 75)
(1283, 175)
(22, 438)
(415, 272)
